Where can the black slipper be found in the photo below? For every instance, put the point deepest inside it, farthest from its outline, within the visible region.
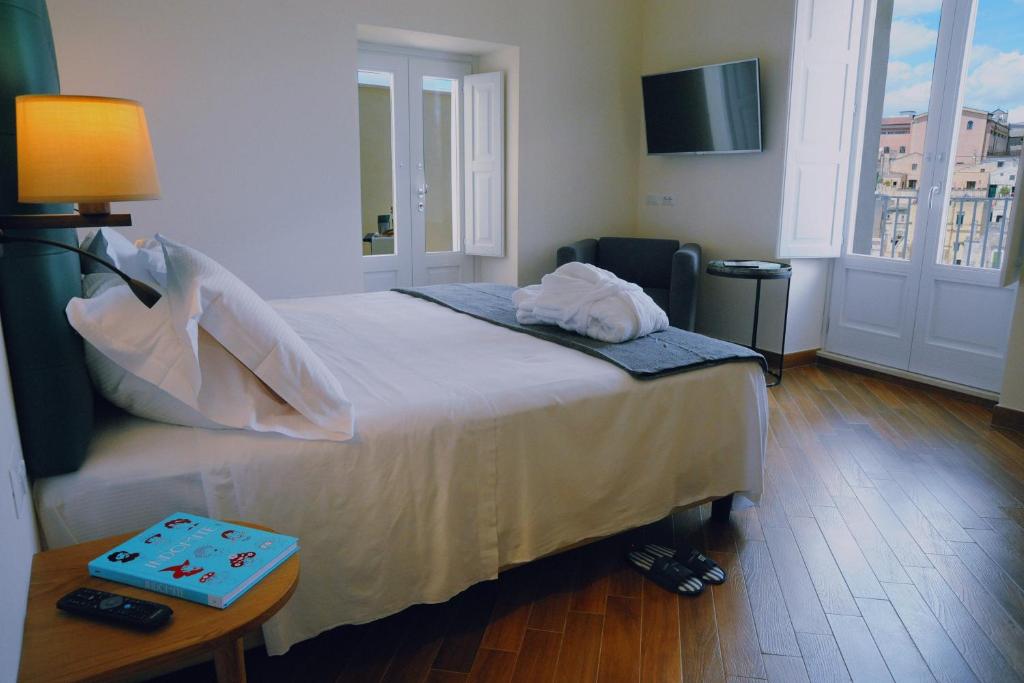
(666, 572)
(697, 562)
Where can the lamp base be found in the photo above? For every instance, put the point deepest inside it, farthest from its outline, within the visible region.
(93, 208)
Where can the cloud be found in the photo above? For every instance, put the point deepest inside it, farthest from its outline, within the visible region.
(910, 37)
(910, 8)
(901, 73)
(914, 96)
(997, 82)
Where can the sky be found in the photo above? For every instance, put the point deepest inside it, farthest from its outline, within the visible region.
(995, 76)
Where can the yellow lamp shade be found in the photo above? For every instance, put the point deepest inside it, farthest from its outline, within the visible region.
(83, 149)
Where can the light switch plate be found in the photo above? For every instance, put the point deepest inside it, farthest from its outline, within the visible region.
(19, 486)
(653, 200)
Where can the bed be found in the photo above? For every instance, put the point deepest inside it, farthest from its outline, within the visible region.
(477, 448)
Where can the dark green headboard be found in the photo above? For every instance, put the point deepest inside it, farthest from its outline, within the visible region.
(52, 392)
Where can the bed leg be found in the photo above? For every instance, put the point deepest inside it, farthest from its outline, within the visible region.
(721, 508)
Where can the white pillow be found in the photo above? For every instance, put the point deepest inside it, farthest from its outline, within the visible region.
(120, 333)
(142, 260)
(202, 293)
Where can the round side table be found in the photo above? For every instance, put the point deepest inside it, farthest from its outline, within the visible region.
(720, 268)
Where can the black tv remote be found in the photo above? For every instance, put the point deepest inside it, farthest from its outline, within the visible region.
(119, 609)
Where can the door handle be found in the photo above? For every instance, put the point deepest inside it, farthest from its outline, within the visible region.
(932, 191)
(422, 191)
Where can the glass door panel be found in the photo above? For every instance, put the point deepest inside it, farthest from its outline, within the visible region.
(437, 196)
(985, 167)
(376, 162)
(886, 228)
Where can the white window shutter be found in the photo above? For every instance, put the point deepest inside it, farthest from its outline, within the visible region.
(823, 83)
(484, 152)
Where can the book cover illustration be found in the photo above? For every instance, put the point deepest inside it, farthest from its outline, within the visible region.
(195, 558)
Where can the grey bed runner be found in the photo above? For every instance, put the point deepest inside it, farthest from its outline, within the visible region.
(662, 353)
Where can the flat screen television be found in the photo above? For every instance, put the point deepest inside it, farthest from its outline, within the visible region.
(712, 109)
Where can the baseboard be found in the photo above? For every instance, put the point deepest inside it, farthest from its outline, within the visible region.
(966, 393)
(792, 360)
(1008, 418)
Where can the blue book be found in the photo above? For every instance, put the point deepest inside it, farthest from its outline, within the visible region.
(196, 558)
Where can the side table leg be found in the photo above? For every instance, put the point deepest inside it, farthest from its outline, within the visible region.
(229, 661)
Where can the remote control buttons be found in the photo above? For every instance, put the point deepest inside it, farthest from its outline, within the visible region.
(111, 602)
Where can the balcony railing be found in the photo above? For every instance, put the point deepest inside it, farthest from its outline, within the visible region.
(974, 233)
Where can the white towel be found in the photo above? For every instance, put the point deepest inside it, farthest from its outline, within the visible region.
(590, 301)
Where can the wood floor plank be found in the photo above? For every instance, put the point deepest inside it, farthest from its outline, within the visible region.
(782, 669)
(660, 649)
(927, 536)
(581, 647)
(415, 656)
(551, 603)
(771, 617)
(828, 581)
(963, 513)
(1005, 633)
(492, 666)
(1009, 559)
(698, 635)
(1004, 589)
(620, 641)
(894, 642)
(797, 588)
(938, 651)
(837, 450)
(441, 676)
(860, 578)
(511, 612)
(471, 611)
(822, 658)
(538, 657)
(590, 589)
(891, 528)
(741, 651)
(977, 650)
(931, 507)
(863, 660)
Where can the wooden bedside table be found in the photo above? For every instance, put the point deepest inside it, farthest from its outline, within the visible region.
(62, 647)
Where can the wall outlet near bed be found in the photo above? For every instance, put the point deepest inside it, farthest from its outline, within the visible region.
(19, 486)
(668, 200)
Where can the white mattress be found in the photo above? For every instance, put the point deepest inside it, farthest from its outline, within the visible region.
(476, 448)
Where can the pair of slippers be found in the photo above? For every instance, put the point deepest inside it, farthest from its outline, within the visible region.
(684, 571)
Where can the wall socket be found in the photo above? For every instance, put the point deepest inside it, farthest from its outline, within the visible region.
(19, 486)
(660, 200)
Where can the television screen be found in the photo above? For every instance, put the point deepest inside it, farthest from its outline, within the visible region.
(708, 110)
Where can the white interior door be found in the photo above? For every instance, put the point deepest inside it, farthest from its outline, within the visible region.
(905, 294)
(383, 82)
(410, 125)
(435, 140)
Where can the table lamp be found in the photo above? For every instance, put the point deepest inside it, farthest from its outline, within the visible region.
(88, 150)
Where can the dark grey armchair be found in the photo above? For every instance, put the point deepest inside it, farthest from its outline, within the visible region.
(669, 273)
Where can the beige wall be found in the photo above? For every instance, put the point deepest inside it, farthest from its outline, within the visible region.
(730, 204)
(253, 112)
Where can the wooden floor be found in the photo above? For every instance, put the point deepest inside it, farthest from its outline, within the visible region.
(888, 545)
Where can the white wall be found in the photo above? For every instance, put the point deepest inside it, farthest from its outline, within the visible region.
(730, 204)
(18, 536)
(252, 109)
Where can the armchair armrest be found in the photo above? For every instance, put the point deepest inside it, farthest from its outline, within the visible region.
(584, 251)
(682, 294)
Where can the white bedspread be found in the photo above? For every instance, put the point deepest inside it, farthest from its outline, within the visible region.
(476, 448)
